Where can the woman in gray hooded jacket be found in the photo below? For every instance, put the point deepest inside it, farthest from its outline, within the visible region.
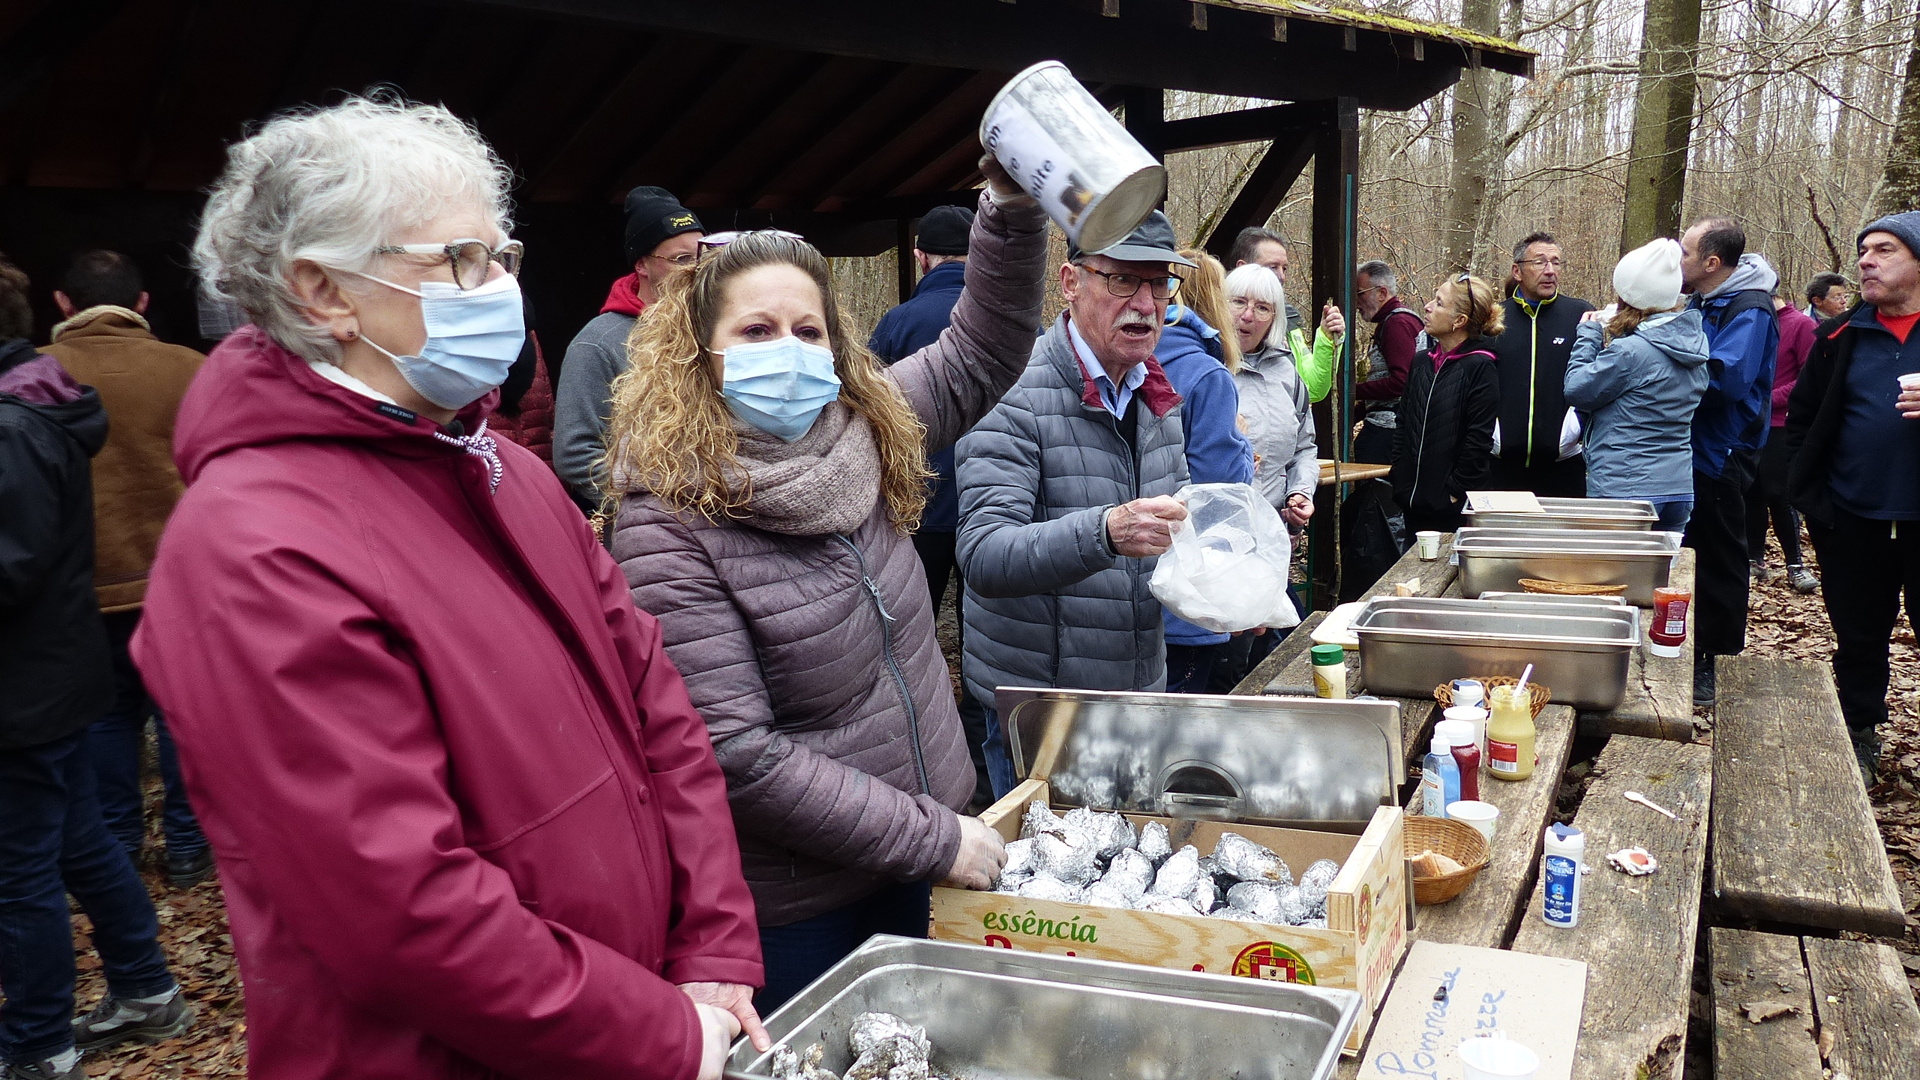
(1639, 369)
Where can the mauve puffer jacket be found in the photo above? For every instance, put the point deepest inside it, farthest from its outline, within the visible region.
(813, 659)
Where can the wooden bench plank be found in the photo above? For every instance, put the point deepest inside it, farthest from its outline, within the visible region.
(1865, 1009)
(1296, 643)
(1636, 935)
(1488, 913)
(1761, 968)
(1430, 577)
(1795, 838)
(1659, 700)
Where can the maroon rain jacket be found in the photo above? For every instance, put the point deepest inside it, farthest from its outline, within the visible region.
(467, 820)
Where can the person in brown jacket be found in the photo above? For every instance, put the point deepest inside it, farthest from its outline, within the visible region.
(772, 473)
(105, 343)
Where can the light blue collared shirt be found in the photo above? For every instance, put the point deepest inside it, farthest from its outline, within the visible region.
(1115, 398)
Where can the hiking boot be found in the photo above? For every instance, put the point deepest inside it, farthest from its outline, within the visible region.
(186, 872)
(114, 1021)
(43, 1070)
(1802, 579)
(1757, 570)
(1866, 750)
(1703, 680)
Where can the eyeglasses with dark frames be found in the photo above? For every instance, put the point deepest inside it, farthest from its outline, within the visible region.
(1164, 287)
(469, 258)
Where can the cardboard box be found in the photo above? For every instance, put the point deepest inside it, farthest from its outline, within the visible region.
(1366, 912)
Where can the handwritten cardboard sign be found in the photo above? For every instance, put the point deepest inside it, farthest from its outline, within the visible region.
(1535, 1000)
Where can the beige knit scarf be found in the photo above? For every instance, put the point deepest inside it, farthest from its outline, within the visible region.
(827, 481)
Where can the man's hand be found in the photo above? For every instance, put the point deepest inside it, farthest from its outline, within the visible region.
(1909, 403)
(1332, 321)
(736, 1001)
(1005, 191)
(717, 1029)
(1298, 509)
(1144, 527)
(982, 854)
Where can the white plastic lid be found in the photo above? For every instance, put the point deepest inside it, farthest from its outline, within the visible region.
(1454, 732)
(1440, 745)
(1465, 714)
(1468, 692)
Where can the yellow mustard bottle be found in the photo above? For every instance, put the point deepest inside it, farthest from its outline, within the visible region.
(1510, 733)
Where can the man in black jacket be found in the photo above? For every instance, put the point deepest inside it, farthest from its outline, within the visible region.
(1853, 437)
(58, 678)
(1536, 442)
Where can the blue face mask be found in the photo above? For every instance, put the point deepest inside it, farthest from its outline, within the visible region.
(779, 386)
(473, 337)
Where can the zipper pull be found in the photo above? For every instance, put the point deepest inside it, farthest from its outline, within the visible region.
(878, 601)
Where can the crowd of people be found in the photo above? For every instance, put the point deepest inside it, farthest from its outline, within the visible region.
(565, 717)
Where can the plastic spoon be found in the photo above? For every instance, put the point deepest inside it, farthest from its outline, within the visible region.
(1634, 796)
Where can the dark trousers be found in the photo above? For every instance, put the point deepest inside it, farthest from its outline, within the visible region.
(1550, 479)
(1190, 667)
(1374, 445)
(939, 560)
(1864, 567)
(798, 953)
(52, 842)
(114, 742)
(1239, 656)
(1419, 521)
(1767, 496)
(999, 757)
(1717, 533)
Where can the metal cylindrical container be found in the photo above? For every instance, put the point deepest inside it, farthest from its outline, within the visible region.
(1066, 150)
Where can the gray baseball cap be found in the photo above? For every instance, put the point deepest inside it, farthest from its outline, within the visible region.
(1150, 241)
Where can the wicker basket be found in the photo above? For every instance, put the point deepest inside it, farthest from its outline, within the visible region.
(1540, 694)
(1567, 588)
(1458, 841)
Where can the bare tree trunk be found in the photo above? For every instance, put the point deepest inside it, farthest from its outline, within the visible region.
(1473, 143)
(1899, 187)
(1662, 122)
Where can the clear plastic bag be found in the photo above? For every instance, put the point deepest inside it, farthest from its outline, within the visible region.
(1227, 568)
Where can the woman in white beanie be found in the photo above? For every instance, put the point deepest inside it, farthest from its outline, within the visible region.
(1638, 370)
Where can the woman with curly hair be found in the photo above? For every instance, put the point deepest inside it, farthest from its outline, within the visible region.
(771, 472)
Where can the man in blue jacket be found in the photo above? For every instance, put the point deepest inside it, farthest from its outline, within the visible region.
(940, 253)
(1733, 290)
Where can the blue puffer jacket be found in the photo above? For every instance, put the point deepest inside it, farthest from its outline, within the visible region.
(1738, 405)
(1639, 393)
(1217, 453)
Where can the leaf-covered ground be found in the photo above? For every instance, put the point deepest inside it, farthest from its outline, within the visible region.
(193, 924)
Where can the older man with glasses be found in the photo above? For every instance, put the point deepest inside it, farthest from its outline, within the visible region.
(1065, 492)
(1536, 441)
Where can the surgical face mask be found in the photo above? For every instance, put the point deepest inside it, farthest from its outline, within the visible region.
(779, 386)
(473, 337)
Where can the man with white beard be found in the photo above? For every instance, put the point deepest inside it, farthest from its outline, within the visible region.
(1065, 492)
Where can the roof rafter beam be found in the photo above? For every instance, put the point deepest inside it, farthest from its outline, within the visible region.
(1244, 126)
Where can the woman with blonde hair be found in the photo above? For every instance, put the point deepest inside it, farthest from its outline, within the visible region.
(771, 473)
(1443, 444)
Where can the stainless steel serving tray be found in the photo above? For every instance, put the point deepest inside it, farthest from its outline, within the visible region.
(1287, 762)
(1410, 645)
(1494, 560)
(995, 1014)
(1628, 515)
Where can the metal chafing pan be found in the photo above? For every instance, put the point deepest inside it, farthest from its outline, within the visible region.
(1494, 560)
(1409, 646)
(1618, 514)
(995, 1014)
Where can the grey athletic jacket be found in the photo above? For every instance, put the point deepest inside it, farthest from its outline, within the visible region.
(1048, 603)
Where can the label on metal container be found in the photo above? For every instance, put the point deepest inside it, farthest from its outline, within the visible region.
(1562, 886)
(1041, 168)
(1503, 757)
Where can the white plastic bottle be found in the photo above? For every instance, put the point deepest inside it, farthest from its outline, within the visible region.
(1563, 850)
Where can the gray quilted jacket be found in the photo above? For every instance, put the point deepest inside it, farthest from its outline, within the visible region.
(1048, 603)
(813, 659)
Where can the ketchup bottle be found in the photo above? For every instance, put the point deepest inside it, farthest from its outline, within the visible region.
(1668, 631)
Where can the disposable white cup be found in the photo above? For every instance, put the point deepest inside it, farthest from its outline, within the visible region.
(1429, 544)
(1497, 1059)
(1910, 382)
(1481, 815)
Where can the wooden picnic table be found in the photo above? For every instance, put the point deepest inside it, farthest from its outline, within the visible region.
(1636, 935)
(1349, 471)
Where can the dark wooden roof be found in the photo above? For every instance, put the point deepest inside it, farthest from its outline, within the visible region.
(825, 114)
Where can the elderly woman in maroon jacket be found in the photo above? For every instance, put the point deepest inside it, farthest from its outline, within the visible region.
(773, 472)
(467, 821)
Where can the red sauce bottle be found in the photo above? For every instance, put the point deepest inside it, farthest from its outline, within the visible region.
(1668, 630)
(1465, 754)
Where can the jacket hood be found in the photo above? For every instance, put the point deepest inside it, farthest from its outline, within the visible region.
(624, 297)
(1186, 332)
(37, 381)
(254, 392)
(1682, 335)
(1752, 272)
